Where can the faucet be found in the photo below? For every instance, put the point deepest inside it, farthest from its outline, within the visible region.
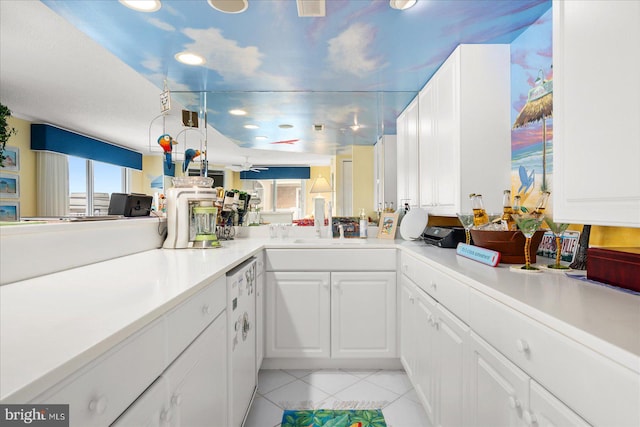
(341, 228)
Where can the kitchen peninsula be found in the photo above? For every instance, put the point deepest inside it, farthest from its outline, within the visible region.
(574, 344)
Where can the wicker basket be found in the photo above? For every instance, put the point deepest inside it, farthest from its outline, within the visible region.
(510, 244)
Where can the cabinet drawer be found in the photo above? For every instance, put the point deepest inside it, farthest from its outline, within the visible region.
(101, 391)
(190, 318)
(347, 259)
(580, 377)
(445, 289)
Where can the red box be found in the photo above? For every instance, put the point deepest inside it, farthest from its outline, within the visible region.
(615, 266)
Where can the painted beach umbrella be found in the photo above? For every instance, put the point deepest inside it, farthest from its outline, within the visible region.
(539, 107)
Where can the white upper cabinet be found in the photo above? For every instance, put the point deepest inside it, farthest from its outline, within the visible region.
(464, 130)
(596, 123)
(407, 156)
(384, 171)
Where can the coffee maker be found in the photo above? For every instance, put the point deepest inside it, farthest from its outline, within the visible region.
(191, 214)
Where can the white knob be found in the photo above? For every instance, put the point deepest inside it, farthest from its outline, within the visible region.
(405, 267)
(98, 405)
(166, 415)
(513, 402)
(412, 300)
(430, 319)
(176, 399)
(522, 346)
(529, 418)
(205, 309)
(433, 285)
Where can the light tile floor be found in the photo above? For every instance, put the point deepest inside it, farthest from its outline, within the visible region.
(336, 388)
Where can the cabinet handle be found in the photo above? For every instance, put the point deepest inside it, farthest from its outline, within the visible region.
(98, 405)
(205, 309)
(529, 418)
(176, 399)
(405, 267)
(433, 285)
(522, 346)
(412, 300)
(514, 403)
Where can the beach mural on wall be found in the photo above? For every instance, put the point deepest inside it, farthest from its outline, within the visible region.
(532, 111)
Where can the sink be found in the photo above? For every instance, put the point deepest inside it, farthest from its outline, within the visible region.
(318, 241)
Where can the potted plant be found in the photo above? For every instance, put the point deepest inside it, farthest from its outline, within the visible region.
(5, 131)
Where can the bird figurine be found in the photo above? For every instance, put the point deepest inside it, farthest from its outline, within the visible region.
(189, 155)
(167, 143)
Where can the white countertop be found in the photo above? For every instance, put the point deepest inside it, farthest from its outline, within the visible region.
(52, 325)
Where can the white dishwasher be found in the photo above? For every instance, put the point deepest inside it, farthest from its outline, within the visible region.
(241, 313)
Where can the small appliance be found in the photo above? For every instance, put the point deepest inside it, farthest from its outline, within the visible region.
(444, 237)
(191, 214)
(130, 205)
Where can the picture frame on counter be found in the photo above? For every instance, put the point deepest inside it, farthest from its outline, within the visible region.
(9, 211)
(388, 225)
(9, 186)
(12, 159)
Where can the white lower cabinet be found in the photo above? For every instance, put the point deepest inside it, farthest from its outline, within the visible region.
(434, 353)
(497, 388)
(298, 314)
(327, 314)
(363, 314)
(193, 389)
(501, 394)
(260, 315)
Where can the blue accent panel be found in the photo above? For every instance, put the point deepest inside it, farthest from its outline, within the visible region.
(50, 138)
(278, 172)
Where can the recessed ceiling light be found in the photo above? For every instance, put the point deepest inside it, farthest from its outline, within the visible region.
(285, 126)
(237, 112)
(142, 5)
(354, 127)
(190, 58)
(261, 137)
(402, 4)
(229, 6)
(251, 126)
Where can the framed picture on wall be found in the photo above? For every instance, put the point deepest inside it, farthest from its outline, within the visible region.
(9, 211)
(388, 225)
(12, 159)
(9, 186)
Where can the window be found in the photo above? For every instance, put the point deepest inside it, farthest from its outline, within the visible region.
(91, 184)
(282, 195)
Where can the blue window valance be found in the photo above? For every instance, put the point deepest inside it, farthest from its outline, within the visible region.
(50, 138)
(279, 172)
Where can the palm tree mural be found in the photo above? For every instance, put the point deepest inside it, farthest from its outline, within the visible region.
(539, 107)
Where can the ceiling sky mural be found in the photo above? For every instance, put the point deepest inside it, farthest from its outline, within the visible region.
(351, 71)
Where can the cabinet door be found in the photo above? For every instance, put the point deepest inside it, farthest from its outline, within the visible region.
(426, 367)
(197, 379)
(498, 389)
(408, 327)
(447, 142)
(452, 348)
(428, 155)
(596, 131)
(545, 410)
(412, 159)
(260, 320)
(401, 159)
(363, 314)
(151, 409)
(298, 314)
